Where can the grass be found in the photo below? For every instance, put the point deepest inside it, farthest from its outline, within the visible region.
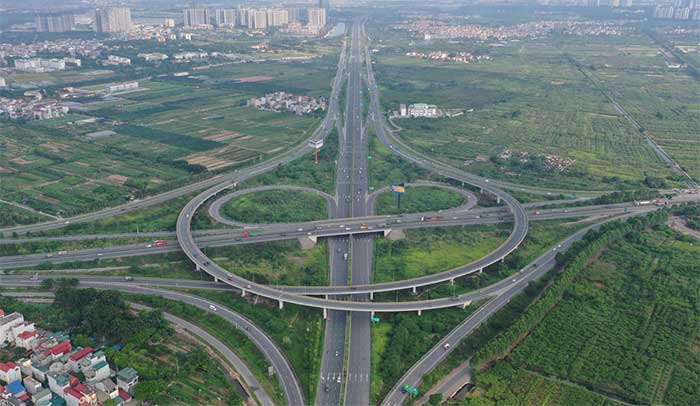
(275, 263)
(531, 98)
(419, 199)
(277, 206)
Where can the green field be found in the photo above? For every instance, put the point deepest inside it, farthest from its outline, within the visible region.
(532, 98)
(10, 215)
(621, 322)
(418, 199)
(170, 133)
(276, 206)
(275, 263)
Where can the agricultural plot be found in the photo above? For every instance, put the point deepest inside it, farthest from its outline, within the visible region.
(169, 134)
(532, 99)
(628, 327)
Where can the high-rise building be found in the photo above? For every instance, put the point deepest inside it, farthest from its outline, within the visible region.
(170, 23)
(113, 19)
(55, 22)
(257, 19)
(197, 18)
(225, 17)
(277, 17)
(614, 3)
(294, 14)
(317, 17)
(324, 4)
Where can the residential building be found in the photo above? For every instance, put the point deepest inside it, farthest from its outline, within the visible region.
(277, 17)
(422, 110)
(324, 4)
(127, 378)
(118, 60)
(225, 17)
(9, 372)
(257, 19)
(58, 383)
(170, 23)
(62, 22)
(3, 83)
(317, 17)
(197, 18)
(75, 358)
(113, 19)
(7, 322)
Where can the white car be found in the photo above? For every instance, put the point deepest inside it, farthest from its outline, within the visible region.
(212, 307)
(446, 346)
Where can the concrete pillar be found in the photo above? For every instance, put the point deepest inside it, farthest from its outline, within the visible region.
(414, 290)
(452, 281)
(197, 268)
(242, 292)
(503, 259)
(371, 314)
(481, 270)
(481, 190)
(419, 312)
(498, 200)
(371, 296)
(281, 304)
(325, 313)
(216, 280)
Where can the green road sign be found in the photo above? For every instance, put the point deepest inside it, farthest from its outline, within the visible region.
(375, 319)
(415, 391)
(371, 188)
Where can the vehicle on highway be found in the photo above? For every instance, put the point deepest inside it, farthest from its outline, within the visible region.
(338, 380)
(345, 256)
(149, 245)
(160, 243)
(446, 346)
(430, 219)
(128, 278)
(49, 255)
(62, 252)
(536, 212)
(364, 227)
(212, 307)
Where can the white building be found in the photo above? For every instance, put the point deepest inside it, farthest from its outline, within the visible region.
(122, 87)
(317, 17)
(3, 83)
(422, 110)
(7, 322)
(118, 60)
(9, 372)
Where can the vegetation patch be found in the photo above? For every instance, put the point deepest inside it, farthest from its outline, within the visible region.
(419, 199)
(277, 206)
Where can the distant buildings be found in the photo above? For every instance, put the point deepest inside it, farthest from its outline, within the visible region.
(61, 22)
(225, 17)
(37, 65)
(680, 10)
(324, 4)
(197, 18)
(113, 20)
(282, 101)
(317, 17)
(117, 60)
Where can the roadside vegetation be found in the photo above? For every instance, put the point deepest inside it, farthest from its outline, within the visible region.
(276, 206)
(297, 330)
(11, 216)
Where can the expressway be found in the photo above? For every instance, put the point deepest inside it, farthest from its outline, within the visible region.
(329, 389)
(359, 346)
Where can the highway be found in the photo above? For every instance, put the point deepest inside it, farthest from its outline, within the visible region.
(357, 378)
(329, 389)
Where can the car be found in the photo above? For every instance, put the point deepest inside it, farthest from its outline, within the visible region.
(128, 278)
(347, 228)
(558, 245)
(515, 280)
(534, 265)
(49, 255)
(325, 388)
(446, 346)
(337, 353)
(66, 222)
(149, 245)
(100, 254)
(554, 249)
(212, 307)
(338, 380)
(300, 229)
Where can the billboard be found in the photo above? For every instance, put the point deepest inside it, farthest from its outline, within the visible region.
(398, 188)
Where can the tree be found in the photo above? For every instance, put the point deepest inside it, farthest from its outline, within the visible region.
(435, 399)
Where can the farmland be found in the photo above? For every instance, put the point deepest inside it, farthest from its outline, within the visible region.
(531, 98)
(170, 133)
(620, 323)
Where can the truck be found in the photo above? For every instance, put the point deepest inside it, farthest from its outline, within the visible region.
(642, 202)
(160, 243)
(430, 219)
(247, 234)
